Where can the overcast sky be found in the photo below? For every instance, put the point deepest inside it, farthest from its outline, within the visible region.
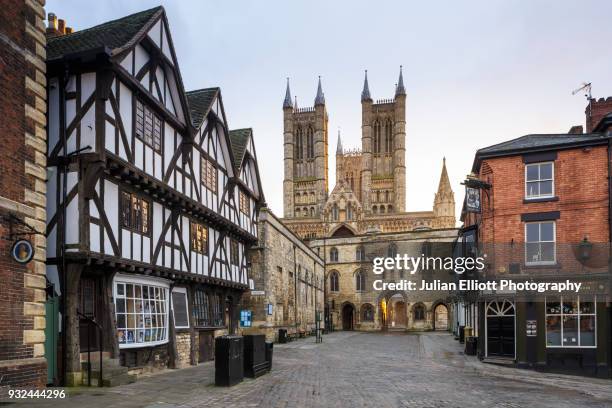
(476, 72)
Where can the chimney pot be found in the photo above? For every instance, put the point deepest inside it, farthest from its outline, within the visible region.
(61, 26)
(69, 30)
(52, 18)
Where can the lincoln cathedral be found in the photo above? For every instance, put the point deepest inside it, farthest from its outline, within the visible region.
(370, 189)
(365, 214)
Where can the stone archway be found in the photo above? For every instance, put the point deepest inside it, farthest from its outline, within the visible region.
(440, 319)
(348, 317)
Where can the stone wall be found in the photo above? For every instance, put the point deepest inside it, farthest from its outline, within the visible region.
(287, 275)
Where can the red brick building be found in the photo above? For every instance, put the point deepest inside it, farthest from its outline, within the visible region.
(544, 216)
(22, 193)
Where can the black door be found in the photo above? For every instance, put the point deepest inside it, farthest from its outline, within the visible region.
(500, 336)
(347, 317)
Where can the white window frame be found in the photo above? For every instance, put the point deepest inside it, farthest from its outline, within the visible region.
(159, 283)
(184, 292)
(554, 241)
(552, 179)
(578, 315)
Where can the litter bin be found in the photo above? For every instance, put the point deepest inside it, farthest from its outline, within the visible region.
(229, 368)
(282, 336)
(470, 345)
(255, 363)
(269, 353)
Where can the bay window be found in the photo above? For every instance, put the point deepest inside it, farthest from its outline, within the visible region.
(141, 311)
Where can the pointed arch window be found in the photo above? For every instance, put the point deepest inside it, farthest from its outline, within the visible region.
(360, 282)
(377, 136)
(309, 143)
(360, 253)
(299, 144)
(388, 136)
(419, 312)
(349, 212)
(335, 213)
(334, 282)
(333, 255)
(392, 251)
(367, 313)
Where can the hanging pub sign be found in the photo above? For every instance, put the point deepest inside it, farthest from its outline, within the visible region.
(22, 251)
(472, 199)
(245, 318)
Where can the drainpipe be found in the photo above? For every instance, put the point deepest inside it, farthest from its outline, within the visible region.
(609, 303)
(295, 303)
(63, 82)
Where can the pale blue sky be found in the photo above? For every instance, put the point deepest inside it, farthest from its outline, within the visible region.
(476, 72)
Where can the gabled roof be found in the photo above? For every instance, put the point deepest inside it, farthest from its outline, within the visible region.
(200, 101)
(115, 35)
(537, 143)
(239, 139)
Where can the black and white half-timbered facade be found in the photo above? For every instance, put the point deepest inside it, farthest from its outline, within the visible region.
(152, 203)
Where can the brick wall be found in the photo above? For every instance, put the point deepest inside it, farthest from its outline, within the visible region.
(596, 110)
(22, 190)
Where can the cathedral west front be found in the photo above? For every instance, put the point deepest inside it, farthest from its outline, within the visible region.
(364, 215)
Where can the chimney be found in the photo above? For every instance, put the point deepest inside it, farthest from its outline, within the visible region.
(596, 110)
(61, 26)
(52, 25)
(69, 30)
(576, 130)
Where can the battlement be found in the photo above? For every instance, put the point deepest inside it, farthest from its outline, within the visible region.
(384, 101)
(351, 152)
(304, 110)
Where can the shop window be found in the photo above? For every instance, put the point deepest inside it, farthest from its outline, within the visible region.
(179, 308)
(570, 322)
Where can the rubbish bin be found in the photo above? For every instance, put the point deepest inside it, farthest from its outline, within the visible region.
(470, 345)
(229, 357)
(282, 336)
(255, 363)
(269, 353)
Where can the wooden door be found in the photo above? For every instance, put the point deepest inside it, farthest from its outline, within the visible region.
(206, 347)
(500, 336)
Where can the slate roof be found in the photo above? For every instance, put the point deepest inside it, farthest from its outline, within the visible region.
(540, 142)
(115, 35)
(239, 139)
(199, 102)
(537, 143)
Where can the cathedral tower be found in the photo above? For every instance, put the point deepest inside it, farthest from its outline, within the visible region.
(305, 184)
(383, 139)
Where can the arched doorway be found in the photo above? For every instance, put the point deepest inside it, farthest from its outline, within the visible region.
(348, 312)
(500, 328)
(441, 317)
(397, 318)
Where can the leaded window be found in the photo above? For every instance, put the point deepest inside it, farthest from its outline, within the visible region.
(419, 312)
(201, 308)
(198, 237)
(334, 282)
(244, 203)
(360, 282)
(367, 313)
(333, 255)
(209, 174)
(234, 252)
(135, 214)
(148, 127)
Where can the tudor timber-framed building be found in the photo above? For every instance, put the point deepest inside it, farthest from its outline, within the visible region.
(153, 202)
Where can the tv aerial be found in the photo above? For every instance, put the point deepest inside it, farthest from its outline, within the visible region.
(586, 87)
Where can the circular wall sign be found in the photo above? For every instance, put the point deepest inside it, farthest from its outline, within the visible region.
(22, 251)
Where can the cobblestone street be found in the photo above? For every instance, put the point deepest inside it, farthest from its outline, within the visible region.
(353, 369)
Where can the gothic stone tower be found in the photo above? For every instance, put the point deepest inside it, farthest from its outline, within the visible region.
(383, 127)
(305, 185)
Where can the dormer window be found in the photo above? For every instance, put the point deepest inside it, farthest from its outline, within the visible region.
(539, 180)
